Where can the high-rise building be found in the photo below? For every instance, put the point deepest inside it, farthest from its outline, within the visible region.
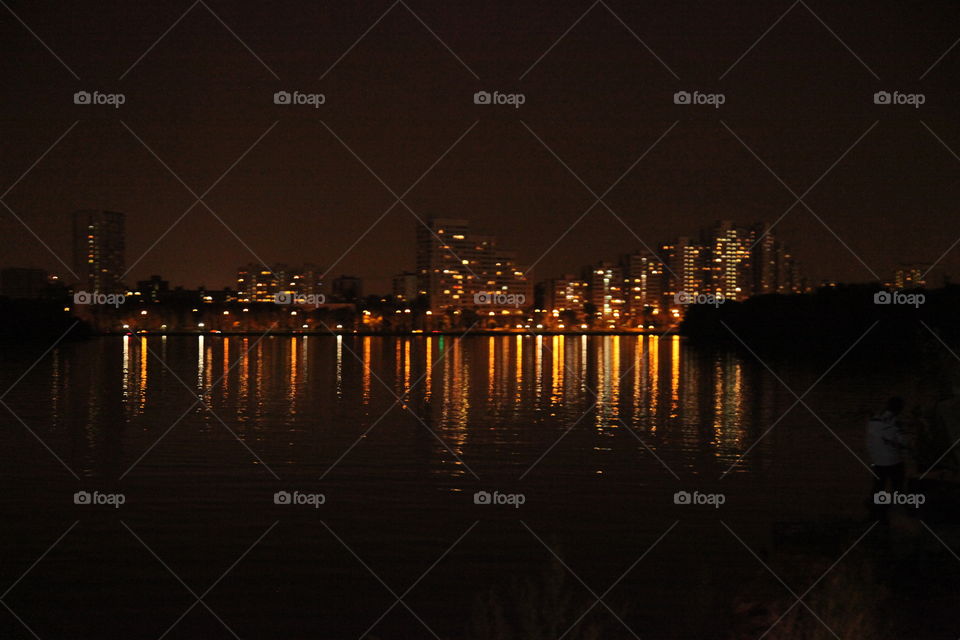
(405, 287)
(155, 289)
(98, 250)
(772, 269)
(454, 265)
(642, 282)
(568, 293)
(685, 267)
(262, 283)
(347, 288)
(605, 282)
(910, 276)
(728, 260)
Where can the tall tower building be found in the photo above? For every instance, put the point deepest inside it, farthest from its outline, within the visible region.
(98, 249)
(605, 281)
(643, 282)
(454, 264)
(728, 260)
(688, 269)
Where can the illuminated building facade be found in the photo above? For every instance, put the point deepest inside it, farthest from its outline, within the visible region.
(98, 250)
(454, 265)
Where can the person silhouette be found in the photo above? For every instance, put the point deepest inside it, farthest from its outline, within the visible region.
(886, 442)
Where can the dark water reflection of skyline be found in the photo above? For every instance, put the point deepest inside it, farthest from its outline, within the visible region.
(398, 433)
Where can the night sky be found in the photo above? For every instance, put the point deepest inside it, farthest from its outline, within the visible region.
(399, 100)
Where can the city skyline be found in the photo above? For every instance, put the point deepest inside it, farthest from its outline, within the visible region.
(302, 180)
(679, 259)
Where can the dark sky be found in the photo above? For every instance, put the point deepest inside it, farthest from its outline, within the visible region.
(399, 99)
